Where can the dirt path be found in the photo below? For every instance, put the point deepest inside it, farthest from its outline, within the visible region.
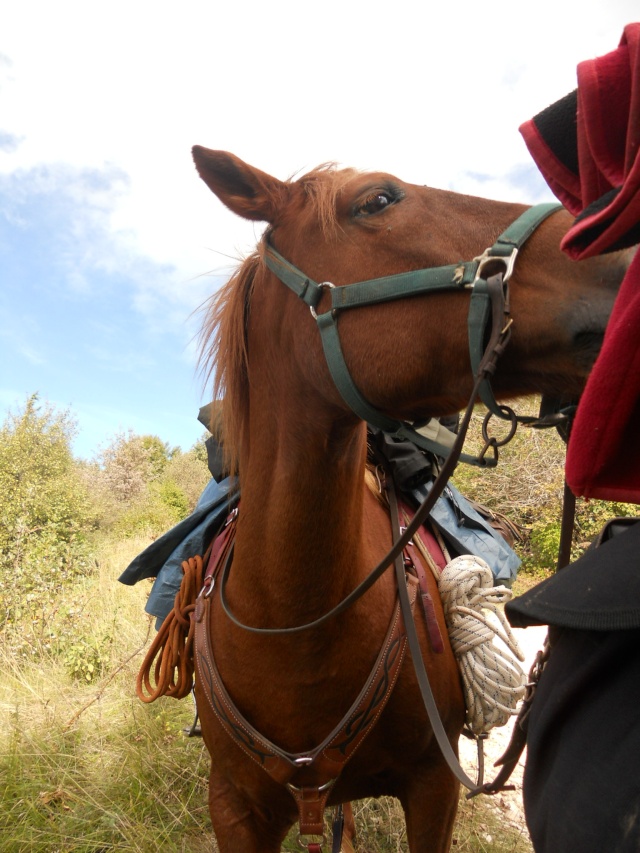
(507, 803)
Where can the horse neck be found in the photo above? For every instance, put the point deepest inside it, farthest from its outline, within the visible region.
(300, 537)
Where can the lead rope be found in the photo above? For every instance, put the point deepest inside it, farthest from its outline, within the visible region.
(168, 663)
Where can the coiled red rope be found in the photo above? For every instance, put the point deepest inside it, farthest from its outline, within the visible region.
(168, 666)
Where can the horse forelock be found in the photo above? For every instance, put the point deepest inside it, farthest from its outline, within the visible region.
(322, 187)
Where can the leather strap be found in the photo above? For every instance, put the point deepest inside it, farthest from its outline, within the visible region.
(221, 548)
(387, 561)
(418, 662)
(325, 761)
(311, 803)
(413, 563)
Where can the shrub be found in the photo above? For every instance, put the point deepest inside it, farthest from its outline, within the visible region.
(189, 474)
(87, 660)
(45, 512)
(148, 516)
(139, 485)
(130, 462)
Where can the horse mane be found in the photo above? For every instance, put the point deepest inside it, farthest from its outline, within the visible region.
(223, 353)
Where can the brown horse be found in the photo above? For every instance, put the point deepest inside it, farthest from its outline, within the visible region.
(309, 530)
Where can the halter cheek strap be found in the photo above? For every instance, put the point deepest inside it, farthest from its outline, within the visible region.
(488, 302)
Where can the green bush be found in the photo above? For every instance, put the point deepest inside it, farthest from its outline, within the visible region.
(140, 486)
(87, 660)
(45, 511)
(541, 554)
(188, 472)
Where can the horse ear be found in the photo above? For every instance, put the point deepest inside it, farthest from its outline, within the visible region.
(246, 191)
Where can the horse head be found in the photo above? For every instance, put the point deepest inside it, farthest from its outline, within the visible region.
(409, 357)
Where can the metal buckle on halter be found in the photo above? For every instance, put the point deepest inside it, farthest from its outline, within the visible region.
(322, 284)
(487, 258)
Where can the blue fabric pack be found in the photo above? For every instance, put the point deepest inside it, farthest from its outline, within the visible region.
(163, 559)
(466, 532)
(463, 529)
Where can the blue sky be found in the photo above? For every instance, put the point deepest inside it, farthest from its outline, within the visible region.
(108, 240)
(88, 321)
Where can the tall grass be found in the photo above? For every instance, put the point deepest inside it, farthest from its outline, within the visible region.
(86, 768)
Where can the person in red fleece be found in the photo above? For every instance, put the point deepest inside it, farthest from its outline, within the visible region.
(581, 783)
(587, 147)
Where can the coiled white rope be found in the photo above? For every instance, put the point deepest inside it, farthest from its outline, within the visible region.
(492, 678)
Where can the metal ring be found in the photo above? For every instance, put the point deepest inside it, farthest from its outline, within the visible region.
(322, 284)
(305, 844)
(511, 416)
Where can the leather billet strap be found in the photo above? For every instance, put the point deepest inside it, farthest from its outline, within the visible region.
(413, 562)
(220, 549)
(418, 662)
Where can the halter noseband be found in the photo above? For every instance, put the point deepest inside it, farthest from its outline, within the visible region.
(488, 308)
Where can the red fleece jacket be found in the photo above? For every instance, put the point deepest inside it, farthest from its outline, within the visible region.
(587, 146)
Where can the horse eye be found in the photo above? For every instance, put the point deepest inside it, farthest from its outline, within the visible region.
(374, 203)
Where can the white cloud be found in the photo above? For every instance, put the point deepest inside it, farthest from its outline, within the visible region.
(99, 108)
(428, 92)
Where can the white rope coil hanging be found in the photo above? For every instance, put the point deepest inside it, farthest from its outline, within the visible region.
(492, 678)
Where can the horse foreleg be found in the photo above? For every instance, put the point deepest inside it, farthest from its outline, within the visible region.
(430, 802)
(238, 825)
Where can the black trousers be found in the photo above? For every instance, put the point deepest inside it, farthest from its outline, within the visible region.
(582, 774)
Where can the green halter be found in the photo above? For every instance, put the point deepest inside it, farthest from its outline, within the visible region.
(472, 275)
